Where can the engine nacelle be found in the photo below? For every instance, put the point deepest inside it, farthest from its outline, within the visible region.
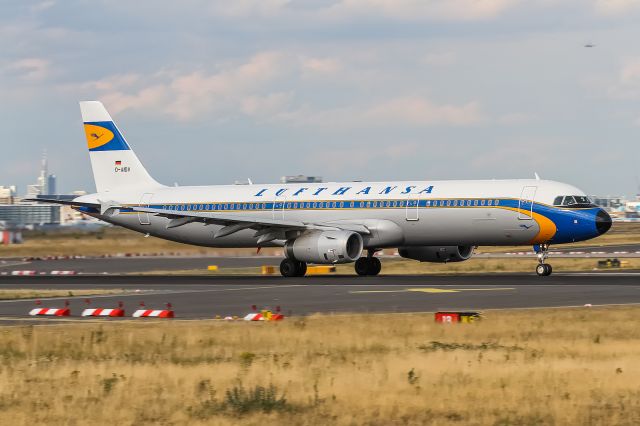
(325, 247)
(437, 254)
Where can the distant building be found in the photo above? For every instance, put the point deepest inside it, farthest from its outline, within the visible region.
(51, 185)
(30, 214)
(7, 194)
(609, 202)
(46, 183)
(301, 179)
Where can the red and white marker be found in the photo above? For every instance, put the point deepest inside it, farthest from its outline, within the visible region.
(154, 313)
(254, 316)
(23, 272)
(56, 312)
(63, 272)
(102, 312)
(99, 312)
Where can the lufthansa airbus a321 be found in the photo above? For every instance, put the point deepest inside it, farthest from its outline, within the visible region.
(341, 222)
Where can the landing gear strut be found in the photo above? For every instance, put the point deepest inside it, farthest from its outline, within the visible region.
(293, 268)
(543, 269)
(368, 265)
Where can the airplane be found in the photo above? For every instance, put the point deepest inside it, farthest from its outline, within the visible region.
(337, 222)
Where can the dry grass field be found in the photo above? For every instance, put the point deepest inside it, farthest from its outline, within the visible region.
(118, 240)
(528, 367)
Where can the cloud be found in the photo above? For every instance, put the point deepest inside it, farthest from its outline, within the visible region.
(627, 85)
(30, 68)
(616, 7)
(419, 111)
(439, 58)
(413, 111)
(515, 118)
(321, 65)
(448, 10)
(192, 95)
(42, 6)
(266, 106)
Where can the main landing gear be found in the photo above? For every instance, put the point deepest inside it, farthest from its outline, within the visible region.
(293, 268)
(543, 269)
(368, 265)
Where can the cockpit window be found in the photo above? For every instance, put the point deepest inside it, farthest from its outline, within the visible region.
(573, 201)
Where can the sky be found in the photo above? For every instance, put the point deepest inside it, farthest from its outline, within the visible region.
(210, 92)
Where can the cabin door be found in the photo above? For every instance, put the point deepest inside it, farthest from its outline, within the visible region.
(525, 204)
(413, 205)
(145, 201)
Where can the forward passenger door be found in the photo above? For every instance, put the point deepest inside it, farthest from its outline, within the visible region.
(525, 204)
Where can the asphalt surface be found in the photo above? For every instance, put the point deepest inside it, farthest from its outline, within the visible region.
(208, 296)
(129, 265)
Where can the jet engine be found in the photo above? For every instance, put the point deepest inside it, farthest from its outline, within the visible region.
(437, 254)
(325, 247)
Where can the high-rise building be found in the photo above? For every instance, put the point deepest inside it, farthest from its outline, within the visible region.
(51, 185)
(46, 183)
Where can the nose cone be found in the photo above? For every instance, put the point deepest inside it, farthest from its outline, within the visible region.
(603, 222)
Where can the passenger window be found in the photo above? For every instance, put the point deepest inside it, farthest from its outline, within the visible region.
(475, 202)
(490, 202)
(482, 202)
(495, 203)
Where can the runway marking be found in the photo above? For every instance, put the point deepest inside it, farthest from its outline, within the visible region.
(432, 290)
(147, 293)
(10, 264)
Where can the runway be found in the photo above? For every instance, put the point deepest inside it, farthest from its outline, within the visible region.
(130, 265)
(208, 296)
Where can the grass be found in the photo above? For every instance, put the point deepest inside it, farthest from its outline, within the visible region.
(113, 240)
(38, 294)
(560, 366)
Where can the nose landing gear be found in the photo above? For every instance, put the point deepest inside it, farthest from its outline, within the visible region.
(543, 269)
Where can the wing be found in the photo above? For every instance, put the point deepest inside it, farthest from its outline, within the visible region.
(101, 206)
(267, 229)
(63, 202)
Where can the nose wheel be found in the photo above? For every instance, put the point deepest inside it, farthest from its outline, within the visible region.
(543, 269)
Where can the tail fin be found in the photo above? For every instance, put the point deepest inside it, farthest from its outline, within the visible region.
(115, 165)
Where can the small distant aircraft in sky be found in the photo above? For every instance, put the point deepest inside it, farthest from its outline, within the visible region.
(589, 45)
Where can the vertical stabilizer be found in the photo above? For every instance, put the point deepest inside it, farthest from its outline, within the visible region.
(115, 166)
